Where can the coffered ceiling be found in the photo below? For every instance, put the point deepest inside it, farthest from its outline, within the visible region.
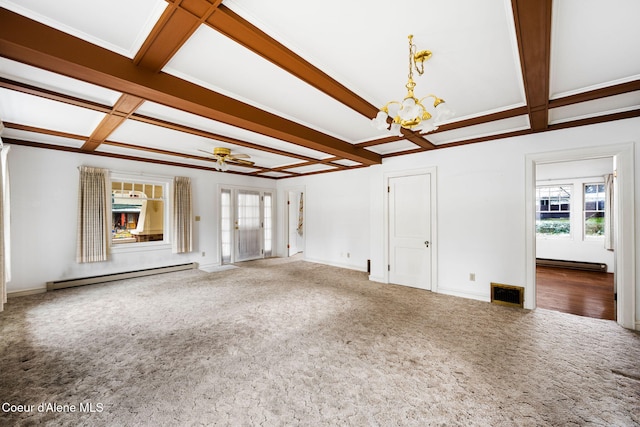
(295, 84)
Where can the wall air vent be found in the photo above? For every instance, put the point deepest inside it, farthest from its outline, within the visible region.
(512, 296)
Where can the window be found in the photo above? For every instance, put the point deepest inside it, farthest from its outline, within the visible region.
(594, 198)
(138, 211)
(553, 210)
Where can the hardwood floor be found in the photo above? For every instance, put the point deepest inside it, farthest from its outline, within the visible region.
(584, 293)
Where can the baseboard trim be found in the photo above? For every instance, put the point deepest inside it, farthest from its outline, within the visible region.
(68, 283)
(377, 279)
(463, 294)
(335, 264)
(25, 292)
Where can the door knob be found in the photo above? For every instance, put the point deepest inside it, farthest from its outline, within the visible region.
(426, 243)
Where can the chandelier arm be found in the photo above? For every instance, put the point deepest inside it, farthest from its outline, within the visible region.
(436, 101)
(386, 106)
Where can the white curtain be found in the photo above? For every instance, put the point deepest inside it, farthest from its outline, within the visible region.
(94, 215)
(609, 235)
(5, 222)
(182, 214)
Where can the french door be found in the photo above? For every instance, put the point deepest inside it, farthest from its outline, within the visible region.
(246, 224)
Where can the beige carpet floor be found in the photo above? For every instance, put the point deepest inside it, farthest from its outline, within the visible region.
(277, 343)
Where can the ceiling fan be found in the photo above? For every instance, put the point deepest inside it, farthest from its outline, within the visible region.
(223, 158)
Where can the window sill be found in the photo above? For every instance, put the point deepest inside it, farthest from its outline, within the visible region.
(119, 248)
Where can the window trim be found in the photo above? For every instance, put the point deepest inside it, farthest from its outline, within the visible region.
(585, 237)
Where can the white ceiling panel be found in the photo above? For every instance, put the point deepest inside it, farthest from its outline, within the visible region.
(369, 54)
(346, 162)
(253, 80)
(163, 112)
(123, 151)
(118, 25)
(478, 131)
(612, 104)
(310, 168)
(146, 135)
(56, 82)
(393, 147)
(583, 56)
(42, 138)
(29, 110)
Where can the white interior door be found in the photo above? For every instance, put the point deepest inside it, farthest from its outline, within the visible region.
(247, 225)
(410, 230)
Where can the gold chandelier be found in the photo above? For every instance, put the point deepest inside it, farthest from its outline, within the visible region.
(411, 113)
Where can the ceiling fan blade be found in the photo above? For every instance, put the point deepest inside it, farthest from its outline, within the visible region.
(240, 162)
(240, 156)
(213, 156)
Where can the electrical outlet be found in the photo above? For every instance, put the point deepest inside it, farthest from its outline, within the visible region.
(472, 277)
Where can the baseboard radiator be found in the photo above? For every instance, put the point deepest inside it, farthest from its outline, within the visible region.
(574, 265)
(508, 295)
(69, 283)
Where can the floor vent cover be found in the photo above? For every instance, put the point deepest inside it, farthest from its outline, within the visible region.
(512, 296)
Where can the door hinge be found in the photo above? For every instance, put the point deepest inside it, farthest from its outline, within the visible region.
(388, 189)
(388, 267)
(615, 296)
(288, 202)
(288, 246)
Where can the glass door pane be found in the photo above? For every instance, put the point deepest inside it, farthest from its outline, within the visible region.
(248, 225)
(225, 226)
(268, 225)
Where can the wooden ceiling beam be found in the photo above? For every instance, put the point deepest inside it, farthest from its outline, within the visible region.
(594, 94)
(42, 131)
(78, 102)
(218, 137)
(248, 35)
(178, 22)
(27, 41)
(533, 31)
(122, 110)
(53, 96)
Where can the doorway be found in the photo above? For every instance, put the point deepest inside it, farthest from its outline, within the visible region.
(574, 249)
(410, 226)
(624, 222)
(295, 221)
(246, 224)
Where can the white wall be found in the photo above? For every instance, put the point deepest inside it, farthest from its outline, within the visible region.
(336, 216)
(44, 192)
(575, 247)
(481, 207)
